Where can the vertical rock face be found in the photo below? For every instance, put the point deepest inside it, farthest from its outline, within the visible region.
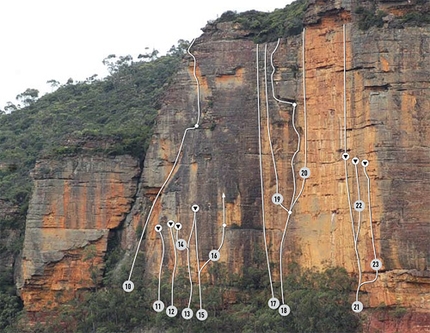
(75, 203)
(395, 98)
(387, 103)
(78, 200)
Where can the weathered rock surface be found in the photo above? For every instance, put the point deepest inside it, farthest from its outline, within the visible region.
(388, 121)
(75, 203)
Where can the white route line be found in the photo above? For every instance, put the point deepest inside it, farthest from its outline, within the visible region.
(371, 228)
(273, 73)
(292, 160)
(293, 202)
(200, 269)
(161, 266)
(198, 260)
(197, 81)
(344, 86)
(357, 234)
(304, 96)
(261, 176)
(174, 267)
(354, 235)
(188, 260)
(281, 272)
(352, 218)
(294, 199)
(173, 167)
(223, 222)
(156, 199)
(370, 212)
(359, 198)
(222, 242)
(268, 117)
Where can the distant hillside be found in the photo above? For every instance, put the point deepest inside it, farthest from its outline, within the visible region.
(110, 116)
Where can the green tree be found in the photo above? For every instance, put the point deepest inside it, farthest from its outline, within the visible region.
(10, 107)
(53, 83)
(28, 97)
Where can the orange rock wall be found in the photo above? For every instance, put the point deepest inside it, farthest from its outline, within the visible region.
(76, 202)
(387, 124)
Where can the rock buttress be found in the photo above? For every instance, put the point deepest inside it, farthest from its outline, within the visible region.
(387, 124)
(75, 203)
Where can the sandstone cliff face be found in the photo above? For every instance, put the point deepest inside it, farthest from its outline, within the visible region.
(75, 203)
(387, 123)
(387, 99)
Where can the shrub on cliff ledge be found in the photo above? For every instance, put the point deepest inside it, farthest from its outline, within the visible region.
(268, 27)
(368, 18)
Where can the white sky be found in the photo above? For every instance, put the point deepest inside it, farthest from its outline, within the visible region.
(42, 40)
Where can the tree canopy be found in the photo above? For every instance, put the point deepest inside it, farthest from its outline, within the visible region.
(120, 109)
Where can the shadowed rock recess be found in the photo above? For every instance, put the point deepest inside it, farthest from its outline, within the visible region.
(77, 201)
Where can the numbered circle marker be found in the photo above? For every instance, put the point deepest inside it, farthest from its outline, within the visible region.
(277, 198)
(202, 314)
(158, 228)
(355, 160)
(178, 226)
(128, 286)
(170, 223)
(214, 255)
(376, 264)
(181, 244)
(273, 303)
(187, 313)
(359, 205)
(305, 172)
(284, 310)
(158, 306)
(345, 156)
(365, 163)
(172, 311)
(195, 208)
(357, 306)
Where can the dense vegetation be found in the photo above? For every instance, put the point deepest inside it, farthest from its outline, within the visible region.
(119, 109)
(370, 16)
(319, 302)
(268, 27)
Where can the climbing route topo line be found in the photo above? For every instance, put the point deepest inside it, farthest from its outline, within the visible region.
(263, 214)
(197, 81)
(161, 264)
(344, 88)
(294, 199)
(370, 210)
(173, 167)
(358, 205)
(358, 229)
(268, 119)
